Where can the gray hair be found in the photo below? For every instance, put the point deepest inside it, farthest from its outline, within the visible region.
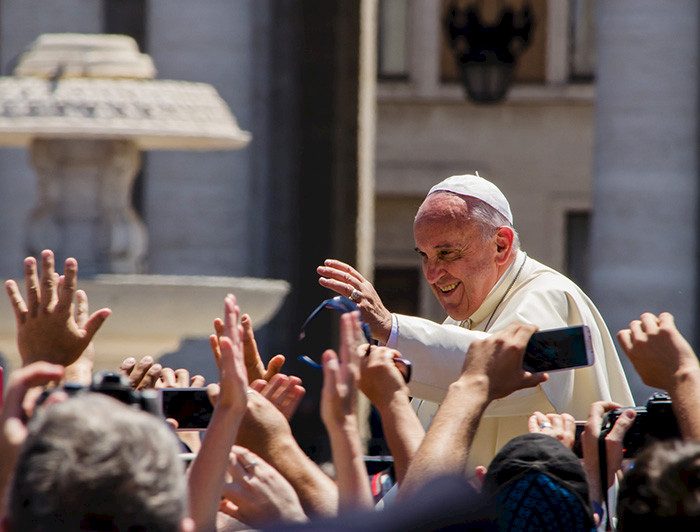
(93, 463)
(486, 217)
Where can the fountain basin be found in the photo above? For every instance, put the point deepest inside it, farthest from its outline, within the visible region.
(151, 314)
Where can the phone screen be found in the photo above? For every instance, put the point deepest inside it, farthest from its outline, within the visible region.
(555, 349)
(190, 407)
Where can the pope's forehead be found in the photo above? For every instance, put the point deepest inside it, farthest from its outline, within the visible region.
(443, 206)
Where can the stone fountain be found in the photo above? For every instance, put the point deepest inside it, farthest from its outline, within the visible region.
(87, 106)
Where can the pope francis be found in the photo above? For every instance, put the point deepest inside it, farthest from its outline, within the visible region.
(472, 260)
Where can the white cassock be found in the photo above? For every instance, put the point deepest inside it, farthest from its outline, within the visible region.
(529, 292)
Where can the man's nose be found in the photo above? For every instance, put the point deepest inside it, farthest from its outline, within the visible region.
(432, 271)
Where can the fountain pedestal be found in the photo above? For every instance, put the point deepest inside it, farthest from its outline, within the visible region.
(87, 105)
(84, 208)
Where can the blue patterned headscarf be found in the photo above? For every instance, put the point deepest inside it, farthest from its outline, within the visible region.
(538, 484)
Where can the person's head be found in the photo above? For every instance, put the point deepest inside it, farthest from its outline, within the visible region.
(662, 490)
(93, 463)
(536, 483)
(465, 236)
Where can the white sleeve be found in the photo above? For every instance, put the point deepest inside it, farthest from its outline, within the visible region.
(436, 352)
(394, 335)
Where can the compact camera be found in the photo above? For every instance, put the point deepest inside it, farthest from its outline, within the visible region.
(655, 421)
(119, 387)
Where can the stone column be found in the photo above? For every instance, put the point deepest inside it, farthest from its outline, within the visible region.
(644, 234)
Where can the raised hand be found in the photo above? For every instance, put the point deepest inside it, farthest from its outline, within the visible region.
(559, 426)
(339, 414)
(46, 323)
(179, 378)
(266, 431)
(206, 474)
(613, 446)
(13, 431)
(658, 350)
(145, 374)
(283, 391)
(81, 370)
(228, 352)
(380, 379)
(253, 361)
(258, 495)
(499, 358)
(347, 281)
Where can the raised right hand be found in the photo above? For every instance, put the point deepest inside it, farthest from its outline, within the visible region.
(344, 279)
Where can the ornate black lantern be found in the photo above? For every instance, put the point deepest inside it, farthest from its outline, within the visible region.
(486, 55)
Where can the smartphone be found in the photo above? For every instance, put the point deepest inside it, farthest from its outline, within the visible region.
(558, 349)
(190, 407)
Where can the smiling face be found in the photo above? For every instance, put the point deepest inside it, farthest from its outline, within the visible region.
(460, 265)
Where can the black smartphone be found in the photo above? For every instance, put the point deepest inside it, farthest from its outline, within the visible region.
(558, 349)
(190, 407)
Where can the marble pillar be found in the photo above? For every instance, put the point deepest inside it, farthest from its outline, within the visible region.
(645, 228)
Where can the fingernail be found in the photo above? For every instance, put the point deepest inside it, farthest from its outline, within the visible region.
(130, 361)
(147, 359)
(629, 413)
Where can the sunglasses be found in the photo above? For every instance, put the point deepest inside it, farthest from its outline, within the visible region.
(343, 304)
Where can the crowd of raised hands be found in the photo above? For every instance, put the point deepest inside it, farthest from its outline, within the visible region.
(249, 472)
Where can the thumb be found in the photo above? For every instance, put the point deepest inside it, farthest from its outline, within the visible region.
(622, 424)
(274, 366)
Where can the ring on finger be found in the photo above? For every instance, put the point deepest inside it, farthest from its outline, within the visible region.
(354, 295)
(250, 465)
(546, 425)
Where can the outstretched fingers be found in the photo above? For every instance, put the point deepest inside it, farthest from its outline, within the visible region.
(17, 301)
(49, 281)
(67, 285)
(31, 285)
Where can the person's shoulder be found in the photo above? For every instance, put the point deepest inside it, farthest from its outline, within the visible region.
(550, 284)
(538, 274)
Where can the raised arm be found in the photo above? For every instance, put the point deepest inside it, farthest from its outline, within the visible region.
(258, 495)
(283, 391)
(253, 361)
(339, 414)
(266, 432)
(384, 386)
(13, 431)
(613, 449)
(347, 281)
(664, 359)
(492, 370)
(46, 323)
(206, 474)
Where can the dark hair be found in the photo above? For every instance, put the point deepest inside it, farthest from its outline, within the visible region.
(662, 489)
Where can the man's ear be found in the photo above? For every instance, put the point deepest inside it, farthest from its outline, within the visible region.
(504, 244)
